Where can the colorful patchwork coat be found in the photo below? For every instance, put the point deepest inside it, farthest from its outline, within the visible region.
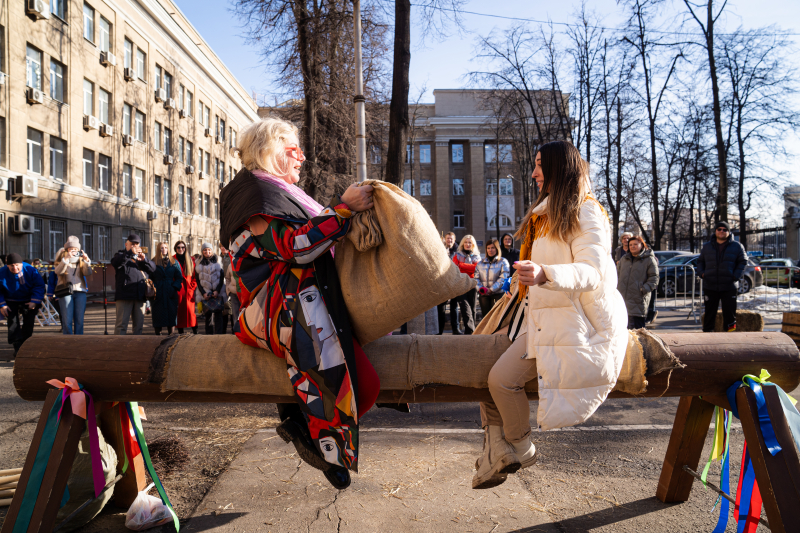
(292, 303)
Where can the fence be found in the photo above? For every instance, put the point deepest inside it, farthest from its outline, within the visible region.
(768, 241)
(679, 287)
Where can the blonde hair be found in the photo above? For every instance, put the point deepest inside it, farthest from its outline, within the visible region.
(474, 250)
(261, 145)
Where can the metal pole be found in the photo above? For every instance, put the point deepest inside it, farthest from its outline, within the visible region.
(361, 139)
(105, 300)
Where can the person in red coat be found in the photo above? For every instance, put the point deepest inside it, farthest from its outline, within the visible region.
(467, 258)
(186, 302)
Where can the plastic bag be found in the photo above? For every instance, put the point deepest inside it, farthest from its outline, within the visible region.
(146, 512)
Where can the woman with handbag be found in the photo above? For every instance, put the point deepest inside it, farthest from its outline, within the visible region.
(211, 289)
(187, 315)
(72, 267)
(167, 282)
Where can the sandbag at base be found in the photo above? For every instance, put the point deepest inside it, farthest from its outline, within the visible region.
(393, 266)
(745, 321)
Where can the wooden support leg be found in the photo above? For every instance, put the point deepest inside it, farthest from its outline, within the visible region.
(689, 432)
(778, 476)
(127, 488)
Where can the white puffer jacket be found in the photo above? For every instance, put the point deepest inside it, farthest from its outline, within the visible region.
(209, 277)
(576, 322)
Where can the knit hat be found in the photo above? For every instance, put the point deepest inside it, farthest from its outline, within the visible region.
(72, 242)
(722, 224)
(13, 259)
(206, 245)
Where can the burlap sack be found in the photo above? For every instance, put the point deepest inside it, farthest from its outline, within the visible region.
(392, 266)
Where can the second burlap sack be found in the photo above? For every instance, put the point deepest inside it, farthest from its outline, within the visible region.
(393, 266)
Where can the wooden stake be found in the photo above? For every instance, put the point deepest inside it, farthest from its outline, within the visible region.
(5, 503)
(6, 493)
(9, 479)
(10, 472)
(7, 486)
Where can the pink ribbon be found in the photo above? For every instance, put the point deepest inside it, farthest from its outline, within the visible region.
(72, 389)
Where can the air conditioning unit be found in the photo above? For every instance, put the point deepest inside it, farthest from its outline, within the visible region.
(176, 218)
(152, 215)
(161, 95)
(40, 9)
(26, 187)
(219, 139)
(127, 140)
(34, 96)
(90, 123)
(169, 103)
(200, 175)
(107, 58)
(2, 78)
(183, 113)
(208, 132)
(168, 159)
(129, 74)
(23, 224)
(106, 130)
(3, 183)
(190, 169)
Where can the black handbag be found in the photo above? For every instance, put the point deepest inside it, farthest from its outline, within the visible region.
(63, 289)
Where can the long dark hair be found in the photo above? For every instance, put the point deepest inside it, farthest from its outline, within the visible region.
(566, 183)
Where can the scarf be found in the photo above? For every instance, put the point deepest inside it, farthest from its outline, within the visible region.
(74, 259)
(208, 260)
(308, 203)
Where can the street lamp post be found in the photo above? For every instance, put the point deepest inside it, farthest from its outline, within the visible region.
(361, 140)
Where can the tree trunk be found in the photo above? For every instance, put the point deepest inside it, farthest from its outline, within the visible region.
(307, 65)
(742, 165)
(721, 212)
(619, 169)
(398, 109)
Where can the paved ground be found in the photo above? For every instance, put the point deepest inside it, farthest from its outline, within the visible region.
(415, 469)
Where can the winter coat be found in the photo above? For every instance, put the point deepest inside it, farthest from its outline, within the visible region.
(576, 321)
(210, 278)
(509, 254)
(27, 286)
(492, 273)
(721, 272)
(74, 273)
(452, 250)
(466, 262)
(168, 282)
(130, 276)
(619, 253)
(637, 276)
(52, 281)
(187, 316)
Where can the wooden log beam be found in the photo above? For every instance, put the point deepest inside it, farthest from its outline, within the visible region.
(121, 368)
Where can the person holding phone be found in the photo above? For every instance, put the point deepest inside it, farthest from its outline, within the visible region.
(131, 265)
(72, 267)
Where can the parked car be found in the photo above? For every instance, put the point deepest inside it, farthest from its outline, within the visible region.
(676, 278)
(665, 255)
(778, 272)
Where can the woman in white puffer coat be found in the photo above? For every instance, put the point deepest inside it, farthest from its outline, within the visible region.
(210, 288)
(568, 327)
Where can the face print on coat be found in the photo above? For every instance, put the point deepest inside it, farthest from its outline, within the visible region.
(330, 450)
(321, 329)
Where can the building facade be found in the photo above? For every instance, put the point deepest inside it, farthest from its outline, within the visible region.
(115, 117)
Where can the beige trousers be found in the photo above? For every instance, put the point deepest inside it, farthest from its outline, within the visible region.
(509, 407)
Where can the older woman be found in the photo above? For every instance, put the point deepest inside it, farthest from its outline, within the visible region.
(491, 273)
(622, 249)
(280, 244)
(210, 288)
(168, 281)
(467, 258)
(566, 314)
(72, 267)
(637, 272)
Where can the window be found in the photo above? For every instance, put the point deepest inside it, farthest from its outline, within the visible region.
(216, 168)
(168, 84)
(157, 198)
(34, 151)
(86, 240)
(59, 8)
(233, 139)
(104, 243)
(409, 154)
(216, 208)
(189, 153)
(181, 148)
(88, 97)
(181, 96)
(207, 163)
(189, 200)
(458, 153)
(200, 203)
(200, 108)
(88, 22)
(167, 141)
(181, 198)
(491, 155)
(127, 181)
(216, 124)
(375, 154)
(88, 168)
(157, 136)
(205, 205)
(105, 35)
(458, 219)
(128, 53)
(424, 153)
(167, 193)
(206, 116)
(505, 222)
(222, 129)
(141, 64)
(424, 187)
(458, 187)
(506, 187)
(139, 184)
(103, 169)
(56, 80)
(3, 141)
(57, 230)
(408, 187)
(159, 77)
(189, 103)
(35, 248)
(127, 110)
(105, 98)
(33, 70)
(58, 150)
(140, 126)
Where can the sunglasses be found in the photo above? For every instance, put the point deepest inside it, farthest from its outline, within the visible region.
(180, 247)
(297, 153)
(722, 229)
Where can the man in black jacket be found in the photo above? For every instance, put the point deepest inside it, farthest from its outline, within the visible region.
(721, 265)
(452, 247)
(131, 288)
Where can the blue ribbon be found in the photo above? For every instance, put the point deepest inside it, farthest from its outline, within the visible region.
(763, 413)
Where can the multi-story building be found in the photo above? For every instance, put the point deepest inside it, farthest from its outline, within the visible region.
(115, 117)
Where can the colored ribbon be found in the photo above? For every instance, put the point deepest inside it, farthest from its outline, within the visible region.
(764, 421)
(748, 508)
(721, 450)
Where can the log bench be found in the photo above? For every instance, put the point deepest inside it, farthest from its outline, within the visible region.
(414, 369)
